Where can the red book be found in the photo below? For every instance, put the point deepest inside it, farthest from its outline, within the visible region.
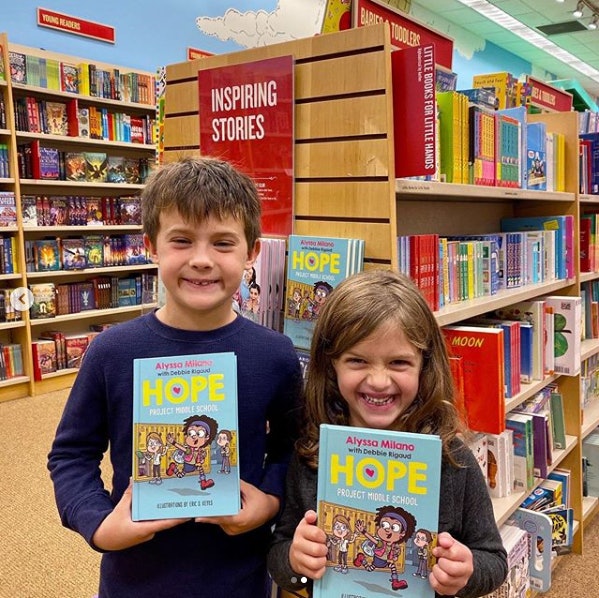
(482, 355)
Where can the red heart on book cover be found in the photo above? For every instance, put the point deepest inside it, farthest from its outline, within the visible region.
(369, 472)
(176, 389)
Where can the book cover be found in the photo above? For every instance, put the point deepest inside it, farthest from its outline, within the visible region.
(521, 425)
(44, 358)
(49, 163)
(95, 167)
(73, 253)
(75, 347)
(378, 503)
(44, 300)
(74, 163)
(315, 266)
(536, 156)
(184, 410)
(56, 118)
(115, 172)
(482, 350)
(567, 334)
(8, 209)
(47, 255)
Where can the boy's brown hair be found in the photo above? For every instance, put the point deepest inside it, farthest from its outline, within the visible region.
(200, 188)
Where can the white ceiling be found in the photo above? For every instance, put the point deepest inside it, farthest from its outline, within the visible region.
(533, 13)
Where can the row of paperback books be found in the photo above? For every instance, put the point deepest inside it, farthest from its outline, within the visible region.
(8, 254)
(484, 146)
(493, 355)
(88, 251)
(7, 312)
(70, 119)
(79, 210)
(11, 361)
(36, 161)
(99, 292)
(315, 266)
(83, 78)
(528, 250)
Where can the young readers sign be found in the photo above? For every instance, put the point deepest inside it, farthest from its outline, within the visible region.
(246, 117)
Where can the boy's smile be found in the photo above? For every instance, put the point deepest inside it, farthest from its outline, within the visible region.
(201, 266)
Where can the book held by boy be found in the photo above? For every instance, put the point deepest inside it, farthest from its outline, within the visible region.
(378, 503)
(184, 410)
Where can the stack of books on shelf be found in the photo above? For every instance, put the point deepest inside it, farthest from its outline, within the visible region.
(86, 251)
(11, 361)
(99, 292)
(71, 119)
(36, 161)
(485, 138)
(78, 210)
(82, 78)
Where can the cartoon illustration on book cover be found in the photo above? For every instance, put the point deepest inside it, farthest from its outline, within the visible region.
(185, 437)
(387, 541)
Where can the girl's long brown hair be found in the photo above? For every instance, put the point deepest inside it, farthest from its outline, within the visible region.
(356, 308)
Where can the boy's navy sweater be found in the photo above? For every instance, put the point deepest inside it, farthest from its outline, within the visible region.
(191, 559)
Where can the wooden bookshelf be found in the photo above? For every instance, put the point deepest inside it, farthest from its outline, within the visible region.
(24, 332)
(345, 183)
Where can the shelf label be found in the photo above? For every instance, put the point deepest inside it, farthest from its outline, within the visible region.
(405, 31)
(75, 25)
(547, 97)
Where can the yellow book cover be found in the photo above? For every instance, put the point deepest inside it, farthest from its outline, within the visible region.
(337, 16)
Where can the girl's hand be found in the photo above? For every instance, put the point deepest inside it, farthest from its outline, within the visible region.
(119, 531)
(308, 550)
(257, 508)
(453, 568)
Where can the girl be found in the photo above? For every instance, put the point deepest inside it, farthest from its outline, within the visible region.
(379, 360)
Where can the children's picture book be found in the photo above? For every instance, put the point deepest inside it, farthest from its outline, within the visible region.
(378, 503)
(315, 266)
(185, 437)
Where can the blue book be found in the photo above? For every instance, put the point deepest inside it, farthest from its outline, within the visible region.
(185, 437)
(594, 159)
(536, 156)
(564, 250)
(315, 266)
(378, 502)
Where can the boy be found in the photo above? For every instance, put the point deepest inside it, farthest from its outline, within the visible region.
(201, 221)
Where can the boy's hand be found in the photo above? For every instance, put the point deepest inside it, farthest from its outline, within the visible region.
(119, 531)
(257, 508)
(308, 550)
(453, 568)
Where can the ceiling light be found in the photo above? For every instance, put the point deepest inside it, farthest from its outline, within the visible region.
(595, 22)
(560, 1)
(578, 12)
(485, 8)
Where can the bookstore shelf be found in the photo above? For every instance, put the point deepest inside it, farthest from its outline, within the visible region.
(116, 187)
(82, 228)
(93, 314)
(467, 309)
(86, 142)
(505, 506)
(586, 276)
(124, 129)
(590, 418)
(475, 193)
(330, 195)
(588, 348)
(528, 391)
(12, 325)
(55, 93)
(590, 507)
(88, 271)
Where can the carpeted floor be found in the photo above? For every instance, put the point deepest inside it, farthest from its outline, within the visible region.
(41, 559)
